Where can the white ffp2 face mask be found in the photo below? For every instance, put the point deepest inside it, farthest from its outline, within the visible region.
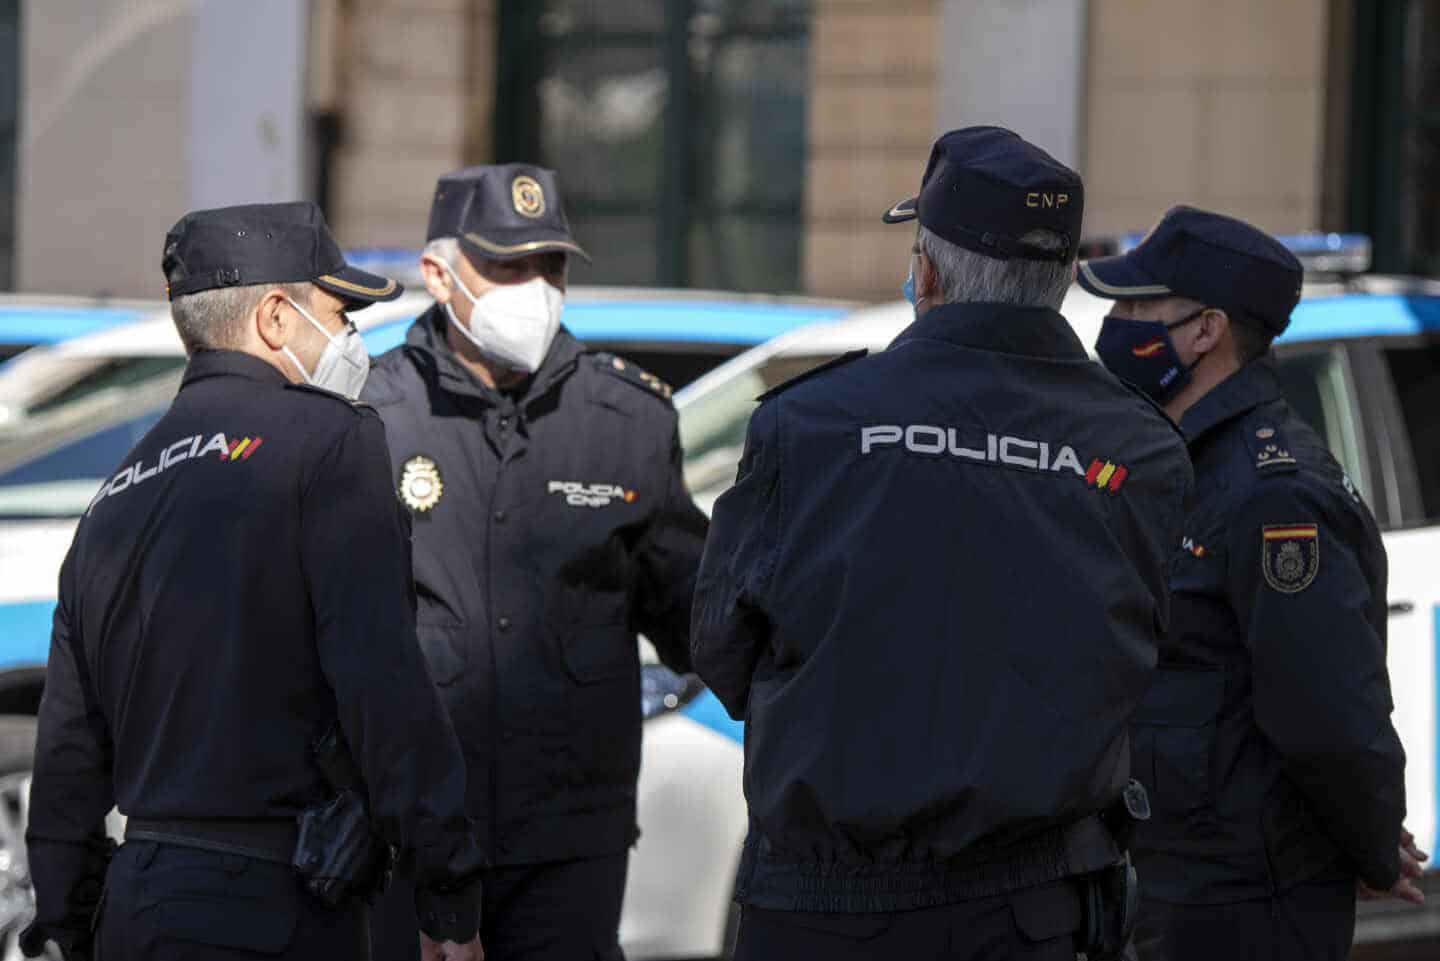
(342, 367)
(512, 324)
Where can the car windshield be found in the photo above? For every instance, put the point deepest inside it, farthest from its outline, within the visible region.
(713, 424)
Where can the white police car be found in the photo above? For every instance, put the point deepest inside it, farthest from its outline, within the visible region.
(1360, 361)
(70, 412)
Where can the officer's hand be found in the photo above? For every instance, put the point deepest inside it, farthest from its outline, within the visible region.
(449, 950)
(1412, 860)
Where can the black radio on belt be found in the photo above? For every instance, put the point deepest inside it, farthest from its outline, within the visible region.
(337, 852)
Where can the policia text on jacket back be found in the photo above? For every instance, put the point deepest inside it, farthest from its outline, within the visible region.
(551, 525)
(239, 586)
(1276, 779)
(935, 594)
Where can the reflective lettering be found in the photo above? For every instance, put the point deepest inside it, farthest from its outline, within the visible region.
(176, 452)
(959, 451)
(884, 434)
(936, 445)
(1008, 458)
(127, 475)
(216, 443)
(1067, 458)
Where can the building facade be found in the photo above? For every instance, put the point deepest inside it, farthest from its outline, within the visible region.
(738, 144)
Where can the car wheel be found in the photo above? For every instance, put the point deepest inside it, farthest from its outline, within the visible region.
(17, 896)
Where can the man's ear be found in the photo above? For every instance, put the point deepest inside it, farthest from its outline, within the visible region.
(438, 281)
(1213, 329)
(927, 280)
(274, 319)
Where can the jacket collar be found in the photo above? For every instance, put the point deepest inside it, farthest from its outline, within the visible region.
(230, 363)
(1028, 331)
(427, 336)
(1252, 385)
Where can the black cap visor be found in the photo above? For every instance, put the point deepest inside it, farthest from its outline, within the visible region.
(903, 211)
(359, 286)
(500, 246)
(1119, 278)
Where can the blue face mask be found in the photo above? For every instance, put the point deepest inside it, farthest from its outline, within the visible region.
(1143, 353)
(909, 289)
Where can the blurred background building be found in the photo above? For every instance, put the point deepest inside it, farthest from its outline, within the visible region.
(740, 144)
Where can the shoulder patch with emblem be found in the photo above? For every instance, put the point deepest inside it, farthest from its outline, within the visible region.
(1270, 453)
(830, 364)
(1290, 556)
(421, 485)
(634, 374)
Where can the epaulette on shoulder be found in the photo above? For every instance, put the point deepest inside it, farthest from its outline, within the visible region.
(633, 374)
(359, 407)
(830, 364)
(1268, 449)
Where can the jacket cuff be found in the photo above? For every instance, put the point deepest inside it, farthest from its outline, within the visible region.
(1381, 874)
(452, 915)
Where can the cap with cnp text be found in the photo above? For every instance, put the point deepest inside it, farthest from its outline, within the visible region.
(264, 244)
(987, 187)
(502, 212)
(1216, 260)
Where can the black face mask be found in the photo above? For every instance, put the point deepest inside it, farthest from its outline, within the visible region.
(1141, 352)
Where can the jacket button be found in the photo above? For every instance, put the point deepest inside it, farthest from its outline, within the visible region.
(500, 517)
(451, 918)
(503, 623)
(507, 736)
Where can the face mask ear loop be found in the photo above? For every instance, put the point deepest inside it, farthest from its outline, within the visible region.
(1188, 318)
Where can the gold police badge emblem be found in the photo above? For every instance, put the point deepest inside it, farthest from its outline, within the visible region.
(529, 199)
(420, 484)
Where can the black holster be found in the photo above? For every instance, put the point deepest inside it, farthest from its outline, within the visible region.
(1111, 896)
(337, 852)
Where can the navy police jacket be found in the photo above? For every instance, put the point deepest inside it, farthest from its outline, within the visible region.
(237, 586)
(935, 595)
(1265, 739)
(551, 524)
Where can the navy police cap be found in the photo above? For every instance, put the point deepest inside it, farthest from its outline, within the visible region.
(1216, 260)
(986, 187)
(501, 212)
(264, 244)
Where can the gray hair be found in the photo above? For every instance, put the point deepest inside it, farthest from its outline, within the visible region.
(968, 277)
(215, 319)
(444, 248)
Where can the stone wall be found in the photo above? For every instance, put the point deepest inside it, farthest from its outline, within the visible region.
(1219, 104)
(872, 120)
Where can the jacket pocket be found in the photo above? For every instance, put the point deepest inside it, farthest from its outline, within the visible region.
(446, 647)
(1174, 738)
(596, 642)
(604, 663)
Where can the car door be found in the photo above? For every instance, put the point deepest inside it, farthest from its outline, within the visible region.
(1346, 392)
(1398, 384)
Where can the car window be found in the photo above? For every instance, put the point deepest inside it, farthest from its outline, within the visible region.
(113, 374)
(1415, 372)
(93, 457)
(1317, 387)
(713, 425)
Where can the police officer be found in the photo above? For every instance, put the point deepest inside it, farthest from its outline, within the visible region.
(238, 586)
(935, 593)
(551, 523)
(1275, 776)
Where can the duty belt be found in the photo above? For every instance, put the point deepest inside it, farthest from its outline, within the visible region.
(265, 840)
